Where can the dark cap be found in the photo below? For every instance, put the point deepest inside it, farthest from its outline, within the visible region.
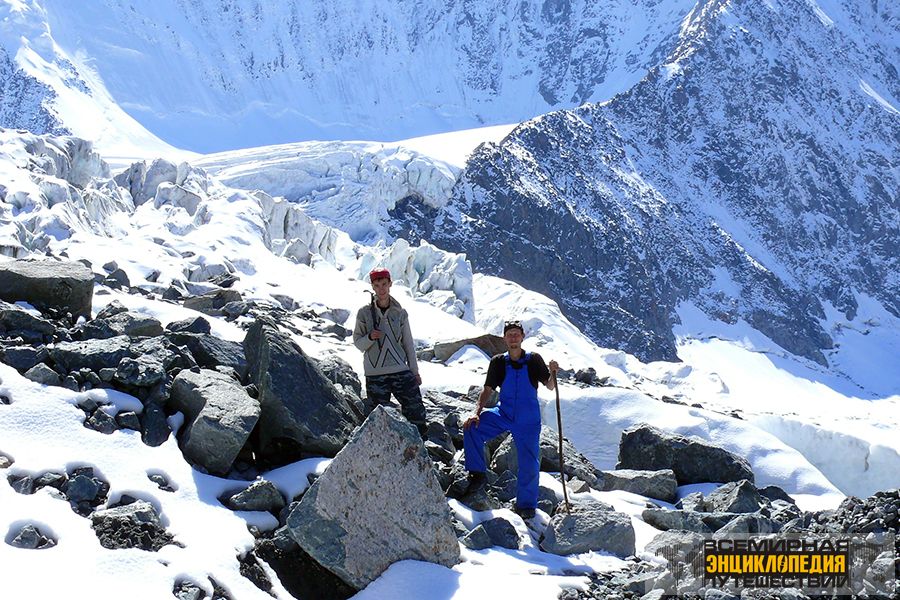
(513, 325)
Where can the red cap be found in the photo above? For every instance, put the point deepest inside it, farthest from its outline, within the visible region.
(379, 274)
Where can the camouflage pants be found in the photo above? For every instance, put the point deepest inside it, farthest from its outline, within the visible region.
(406, 391)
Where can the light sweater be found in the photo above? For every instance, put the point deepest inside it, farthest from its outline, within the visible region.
(395, 352)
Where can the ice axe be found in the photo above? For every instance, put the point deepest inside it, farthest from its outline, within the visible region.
(374, 314)
(562, 475)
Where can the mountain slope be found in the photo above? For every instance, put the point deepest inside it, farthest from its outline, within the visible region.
(221, 74)
(753, 173)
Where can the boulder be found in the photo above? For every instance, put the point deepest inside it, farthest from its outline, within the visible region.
(693, 460)
(85, 490)
(17, 322)
(261, 495)
(194, 325)
(589, 526)
(488, 343)
(135, 525)
(493, 532)
(302, 412)
(378, 502)
(117, 280)
(211, 303)
(773, 492)
(91, 354)
(23, 358)
(64, 286)
(210, 352)
(122, 323)
(136, 362)
(684, 520)
(653, 484)
(144, 371)
(448, 410)
(154, 426)
(220, 416)
(734, 497)
(339, 372)
(675, 546)
(41, 373)
(747, 524)
(575, 464)
(31, 537)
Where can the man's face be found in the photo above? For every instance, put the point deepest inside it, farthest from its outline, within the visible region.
(513, 338)
(382, 287)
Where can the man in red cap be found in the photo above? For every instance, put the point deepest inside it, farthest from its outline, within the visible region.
(382, 333)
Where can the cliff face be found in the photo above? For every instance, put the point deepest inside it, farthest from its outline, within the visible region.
(752, 173)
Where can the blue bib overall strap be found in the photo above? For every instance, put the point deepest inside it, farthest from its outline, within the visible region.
(518, 397)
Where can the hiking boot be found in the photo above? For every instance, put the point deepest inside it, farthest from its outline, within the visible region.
(477, 480)
(525, 513)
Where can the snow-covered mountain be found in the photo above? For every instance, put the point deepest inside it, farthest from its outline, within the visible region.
(753, 174)
(211, 75)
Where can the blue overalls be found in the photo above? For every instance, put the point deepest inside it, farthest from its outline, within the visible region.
(519, 413)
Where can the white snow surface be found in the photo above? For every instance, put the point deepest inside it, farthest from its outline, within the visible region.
(208, 75)
(817, 434)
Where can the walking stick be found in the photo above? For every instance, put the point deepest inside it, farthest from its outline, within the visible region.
(562, 475)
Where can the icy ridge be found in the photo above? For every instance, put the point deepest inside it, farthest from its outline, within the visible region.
(60, 189)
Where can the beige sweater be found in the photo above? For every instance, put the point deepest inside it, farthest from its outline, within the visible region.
(395, 352)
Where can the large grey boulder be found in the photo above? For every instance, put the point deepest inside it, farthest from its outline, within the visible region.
(220, 417)
(303, 413)
(589, 526)
(137, 362)
(378, 502)
(653, 484)
(65, 286)
(575, 464)
(693, 460)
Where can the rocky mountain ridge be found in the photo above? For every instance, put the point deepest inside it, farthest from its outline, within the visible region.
(751, 174)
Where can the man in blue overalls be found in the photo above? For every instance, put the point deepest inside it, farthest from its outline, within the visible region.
(517, 374)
